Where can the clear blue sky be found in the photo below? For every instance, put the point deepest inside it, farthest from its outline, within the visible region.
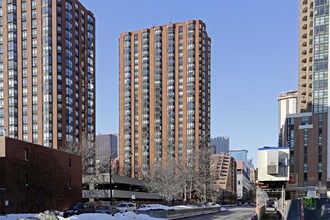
(254, 58)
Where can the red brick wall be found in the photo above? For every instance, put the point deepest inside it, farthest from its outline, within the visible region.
(48, 174)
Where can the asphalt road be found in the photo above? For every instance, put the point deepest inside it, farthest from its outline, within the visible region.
(234, 213)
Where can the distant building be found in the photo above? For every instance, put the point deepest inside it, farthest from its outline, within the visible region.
(239, 155)
(106, 146)
(221, 144)
(34, 178)
(253, 175)
(225, 172)
(250, 163)
(287, 104)
(243, 181)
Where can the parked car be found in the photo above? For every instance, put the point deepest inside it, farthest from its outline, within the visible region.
(126, 206)
(79, 208)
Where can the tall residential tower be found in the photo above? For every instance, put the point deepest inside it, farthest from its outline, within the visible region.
(47, 71)
(305, 76)
(164, 94)
(307, 131)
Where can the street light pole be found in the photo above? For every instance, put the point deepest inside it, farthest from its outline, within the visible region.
(110, 182)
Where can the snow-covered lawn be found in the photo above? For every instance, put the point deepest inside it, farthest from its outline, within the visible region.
(91, 216)
(117, 216)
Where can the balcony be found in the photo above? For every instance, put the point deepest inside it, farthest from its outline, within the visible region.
(304, 18)
(303, 68)
(304, 35)
(303, 84)
(304, 44)
(303, 76)
(304, 51)
(304, 9)
(303, 93)
(304, 25)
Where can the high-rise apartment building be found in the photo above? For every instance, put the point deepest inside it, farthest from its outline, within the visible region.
(47, 71)
(307, 131)
(287, 104)
(305, 71)
(221, 144)
(164, 94)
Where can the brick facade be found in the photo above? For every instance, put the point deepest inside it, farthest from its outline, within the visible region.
(36, 178)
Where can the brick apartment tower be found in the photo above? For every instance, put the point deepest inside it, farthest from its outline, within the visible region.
(47, 71)
(164, 94)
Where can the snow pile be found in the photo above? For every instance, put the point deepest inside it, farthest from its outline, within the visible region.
(178, 207)
(162, 207)
(119, 216)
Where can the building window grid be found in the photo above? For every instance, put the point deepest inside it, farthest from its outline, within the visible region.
(190, 88)
(157, 93)
(171, 89)
(12, 69)
(320, 57)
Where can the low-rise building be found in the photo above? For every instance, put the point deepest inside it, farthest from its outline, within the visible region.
(243, 181)
(224, 170)
(34, 178)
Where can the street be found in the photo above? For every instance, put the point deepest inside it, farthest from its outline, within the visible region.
(233, 213)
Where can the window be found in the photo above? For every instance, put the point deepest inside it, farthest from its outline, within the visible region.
(26, 154)
(70, 183)
(70, 162)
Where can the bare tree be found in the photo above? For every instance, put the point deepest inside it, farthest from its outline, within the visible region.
(164, 180)
(86, 149)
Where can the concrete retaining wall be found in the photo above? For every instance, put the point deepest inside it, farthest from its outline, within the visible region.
(175, 214)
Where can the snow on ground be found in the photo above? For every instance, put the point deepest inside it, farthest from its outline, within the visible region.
(117, 216)
(15, 216)
(90, 216)
(178, 207)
